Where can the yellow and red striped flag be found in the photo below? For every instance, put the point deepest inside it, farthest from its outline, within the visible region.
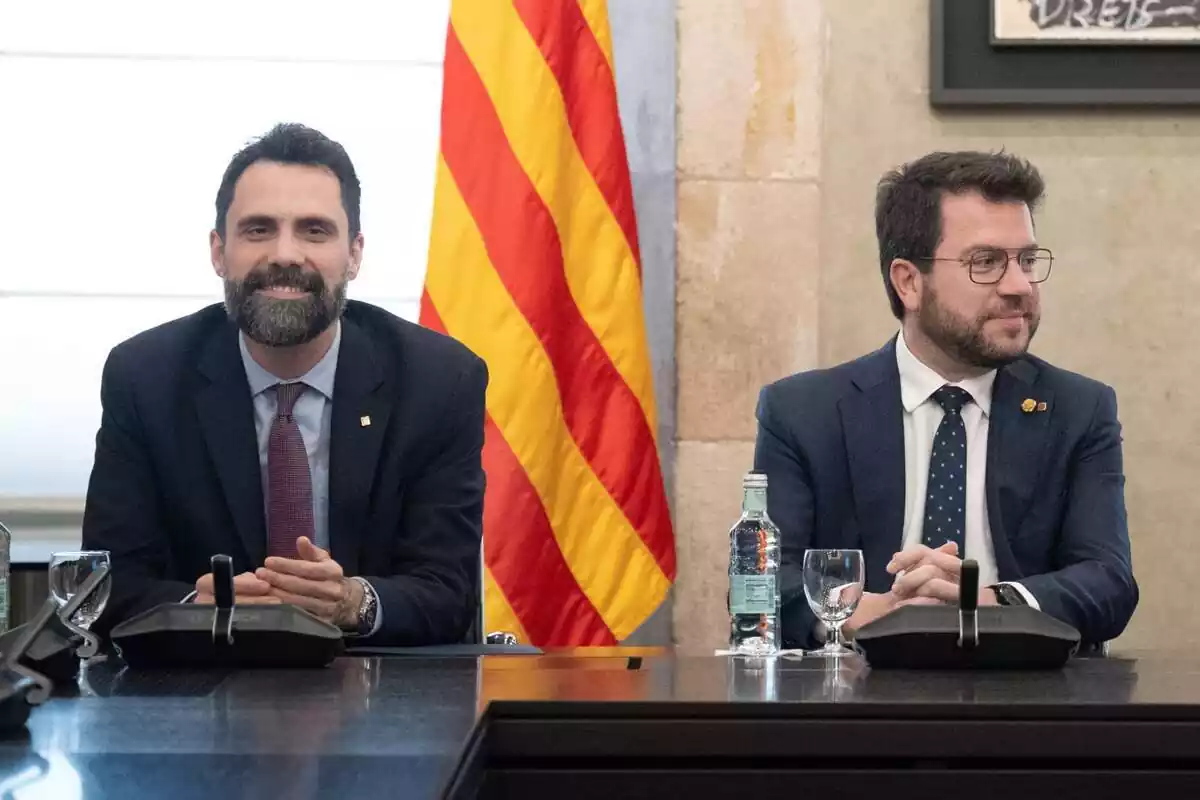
(534, 265)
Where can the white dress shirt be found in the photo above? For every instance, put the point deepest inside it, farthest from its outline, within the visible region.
(922, 415)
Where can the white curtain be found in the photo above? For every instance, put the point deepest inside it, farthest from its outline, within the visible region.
(117, 119)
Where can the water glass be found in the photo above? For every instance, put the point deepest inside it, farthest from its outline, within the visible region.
(68, 571)
(833, 585)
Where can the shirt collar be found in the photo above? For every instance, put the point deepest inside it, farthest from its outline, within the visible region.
(918, 382)
(320, 377)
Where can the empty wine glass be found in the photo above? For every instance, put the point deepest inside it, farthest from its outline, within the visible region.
(833, 584)
(68, 571)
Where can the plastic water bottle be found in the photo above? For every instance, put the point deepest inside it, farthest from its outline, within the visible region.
(753, 574)
(5, 553)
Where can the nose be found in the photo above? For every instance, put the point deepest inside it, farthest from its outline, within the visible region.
(1015, 282)
(287, 250)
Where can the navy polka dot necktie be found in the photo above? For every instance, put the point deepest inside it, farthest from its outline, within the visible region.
(946, 493)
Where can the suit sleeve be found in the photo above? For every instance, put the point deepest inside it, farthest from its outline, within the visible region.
(122, 512)
(1094, 590)
(432, 595)
(790, 506)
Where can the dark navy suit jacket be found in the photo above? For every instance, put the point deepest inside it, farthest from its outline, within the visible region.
(177, 479)
(832, 444)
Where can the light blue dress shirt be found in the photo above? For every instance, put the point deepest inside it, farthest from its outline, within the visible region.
(313, 412)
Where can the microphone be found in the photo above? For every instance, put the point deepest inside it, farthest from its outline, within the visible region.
(222, 571)
(968, 605)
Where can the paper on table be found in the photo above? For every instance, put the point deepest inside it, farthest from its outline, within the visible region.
(786, 653)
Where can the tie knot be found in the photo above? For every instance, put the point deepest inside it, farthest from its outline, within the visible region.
(286, 395)
(952, 399)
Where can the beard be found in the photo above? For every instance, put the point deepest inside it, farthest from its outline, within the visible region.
(965, 340)
(280, 322)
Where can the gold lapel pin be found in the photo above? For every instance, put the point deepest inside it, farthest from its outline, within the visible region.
(364, 421)
(1028, 405)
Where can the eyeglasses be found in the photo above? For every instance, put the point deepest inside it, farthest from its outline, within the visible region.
(988, 266)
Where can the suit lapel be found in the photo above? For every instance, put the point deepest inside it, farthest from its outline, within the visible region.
(226, 413)
(360, 418)
(873, 424)
(1017, 440)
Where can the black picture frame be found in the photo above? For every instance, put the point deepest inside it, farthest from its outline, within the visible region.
(967, 70)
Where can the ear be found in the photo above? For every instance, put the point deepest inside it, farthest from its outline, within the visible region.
(908, 281)
(356, 255)
(216, 252)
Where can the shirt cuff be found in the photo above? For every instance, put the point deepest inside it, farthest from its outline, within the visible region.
(191, 596)
(1025, 593)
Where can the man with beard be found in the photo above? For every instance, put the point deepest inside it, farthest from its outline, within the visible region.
(332, 449)
(952, 441)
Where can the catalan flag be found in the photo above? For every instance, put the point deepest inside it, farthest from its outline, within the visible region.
(534, 265)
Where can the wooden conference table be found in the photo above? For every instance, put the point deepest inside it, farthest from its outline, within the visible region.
(615, 723)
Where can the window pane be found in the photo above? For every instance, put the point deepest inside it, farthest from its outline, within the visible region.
(372, 30)
(50, 418)
(49, 425)
(114, 165)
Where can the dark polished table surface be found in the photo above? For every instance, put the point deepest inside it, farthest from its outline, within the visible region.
(395, 725)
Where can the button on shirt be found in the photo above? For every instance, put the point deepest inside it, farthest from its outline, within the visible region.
(922, 415)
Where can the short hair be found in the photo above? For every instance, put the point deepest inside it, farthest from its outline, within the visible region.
(292, 143)
(908, 210)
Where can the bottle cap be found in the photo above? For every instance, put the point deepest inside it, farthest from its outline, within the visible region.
(754, 480)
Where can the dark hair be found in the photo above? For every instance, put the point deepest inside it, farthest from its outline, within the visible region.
(292, 143)
(908, 210)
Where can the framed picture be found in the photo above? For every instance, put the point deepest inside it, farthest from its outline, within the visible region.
(1119, 22)
(970, 66)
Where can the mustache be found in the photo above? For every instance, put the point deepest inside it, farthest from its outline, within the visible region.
(1023, 307)
(284, 277)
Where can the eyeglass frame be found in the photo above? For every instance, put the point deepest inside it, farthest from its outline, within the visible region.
(1008, 259)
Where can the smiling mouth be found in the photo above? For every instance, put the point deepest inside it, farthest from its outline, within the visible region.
(284, 291)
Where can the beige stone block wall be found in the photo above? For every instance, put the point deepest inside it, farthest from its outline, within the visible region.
(788, 212)
(748, 263)
(733, 331)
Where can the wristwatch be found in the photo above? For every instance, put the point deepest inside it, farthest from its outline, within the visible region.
(1007, 595)
(367, 609)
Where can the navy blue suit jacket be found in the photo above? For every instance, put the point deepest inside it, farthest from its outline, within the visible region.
(832, 444)
(177, 479)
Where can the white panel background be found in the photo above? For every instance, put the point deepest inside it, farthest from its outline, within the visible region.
(119, 117)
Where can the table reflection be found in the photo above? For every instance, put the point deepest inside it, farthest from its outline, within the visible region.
(377, 724)
(35, 777)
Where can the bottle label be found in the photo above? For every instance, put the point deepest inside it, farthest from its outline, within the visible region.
(4, 621)
(752, 594)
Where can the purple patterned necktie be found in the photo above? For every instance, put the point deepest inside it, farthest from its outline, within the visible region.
(289, 483)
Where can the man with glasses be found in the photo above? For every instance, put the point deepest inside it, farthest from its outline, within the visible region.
(952, 441)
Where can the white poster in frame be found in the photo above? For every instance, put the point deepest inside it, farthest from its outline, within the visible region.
(1091, 22)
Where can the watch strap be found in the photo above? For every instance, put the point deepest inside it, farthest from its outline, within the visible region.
(367, 609)
(1006, 595)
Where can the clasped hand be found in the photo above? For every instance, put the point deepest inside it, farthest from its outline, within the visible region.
(313, 581)
(924, 576)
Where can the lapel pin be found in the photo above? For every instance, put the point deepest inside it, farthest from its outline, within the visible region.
(1041, 406)
(364, 421)
(1028, 405)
